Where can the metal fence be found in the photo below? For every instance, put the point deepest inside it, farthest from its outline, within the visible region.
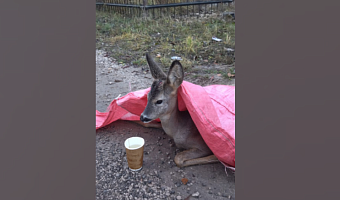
(158, 8)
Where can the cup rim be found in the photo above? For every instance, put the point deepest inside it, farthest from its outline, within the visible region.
(125, 143)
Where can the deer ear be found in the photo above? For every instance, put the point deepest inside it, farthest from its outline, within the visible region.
(175, 75)
(156, 72)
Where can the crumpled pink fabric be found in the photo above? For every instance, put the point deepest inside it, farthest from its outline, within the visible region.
(212, 109)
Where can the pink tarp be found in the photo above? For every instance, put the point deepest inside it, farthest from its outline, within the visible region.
(212, 108)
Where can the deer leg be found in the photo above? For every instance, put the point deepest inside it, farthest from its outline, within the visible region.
(194, 157)
(149, 125)
(200, 161)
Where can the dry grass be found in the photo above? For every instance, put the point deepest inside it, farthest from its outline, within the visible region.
(128, 39)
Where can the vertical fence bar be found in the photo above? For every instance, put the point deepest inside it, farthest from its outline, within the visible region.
(115, 10)
(145, 11)
(187, 10)
(153, 10)
(138, 10)
(132, 12)
(167, 9)
(125, 9)
(122, 8)
(160, 11)
(199, 10)
(174, 13)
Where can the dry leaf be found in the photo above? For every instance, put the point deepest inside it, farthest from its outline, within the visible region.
(185, 181)
(231, 75)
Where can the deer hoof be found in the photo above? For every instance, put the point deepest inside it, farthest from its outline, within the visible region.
(179, 162)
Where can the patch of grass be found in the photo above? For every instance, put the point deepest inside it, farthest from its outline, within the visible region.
(191, 45)
(231, 71)
(139, 62)
(128, 39)
(166, 61)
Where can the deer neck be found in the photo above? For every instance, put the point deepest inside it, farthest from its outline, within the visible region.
(170, 121)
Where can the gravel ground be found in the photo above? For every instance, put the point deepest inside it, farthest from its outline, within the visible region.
(160, 178)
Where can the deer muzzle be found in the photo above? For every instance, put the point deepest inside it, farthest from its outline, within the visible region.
(145, 119)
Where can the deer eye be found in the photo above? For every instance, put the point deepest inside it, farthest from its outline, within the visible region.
(159, 101)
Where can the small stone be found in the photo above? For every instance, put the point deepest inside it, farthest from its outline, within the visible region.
(196, 194)
(178, 197)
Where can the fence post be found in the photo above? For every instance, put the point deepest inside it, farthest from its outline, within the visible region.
(145, 11)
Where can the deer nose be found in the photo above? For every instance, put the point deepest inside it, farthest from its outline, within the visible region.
(144, 119)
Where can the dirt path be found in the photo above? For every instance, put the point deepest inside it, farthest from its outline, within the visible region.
(160, 178)
(113, 80)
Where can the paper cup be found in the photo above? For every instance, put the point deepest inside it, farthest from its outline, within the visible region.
(134, 147)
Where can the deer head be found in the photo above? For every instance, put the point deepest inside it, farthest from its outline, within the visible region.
(162, 98)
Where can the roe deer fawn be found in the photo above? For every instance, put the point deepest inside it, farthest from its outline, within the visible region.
(162, 104)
